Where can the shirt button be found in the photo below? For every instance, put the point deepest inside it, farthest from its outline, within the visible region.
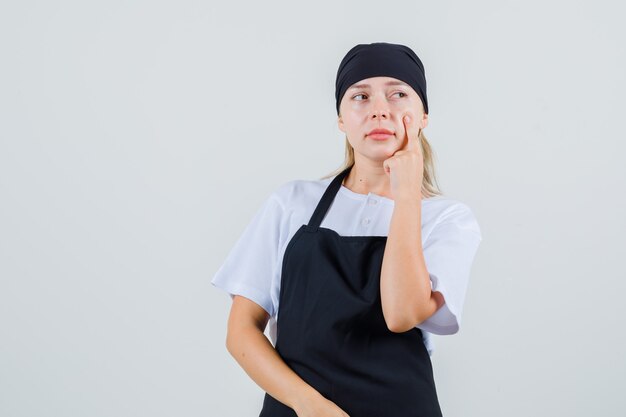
(372, 202)
(365, 221)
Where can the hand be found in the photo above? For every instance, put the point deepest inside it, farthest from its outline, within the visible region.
(405, 167)
(319, 406)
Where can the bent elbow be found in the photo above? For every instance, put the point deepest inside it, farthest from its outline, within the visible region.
(400, 326)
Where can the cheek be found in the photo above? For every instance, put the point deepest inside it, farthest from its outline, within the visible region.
(409, 104)
(412, 108)
(353, 119)
(355, 107)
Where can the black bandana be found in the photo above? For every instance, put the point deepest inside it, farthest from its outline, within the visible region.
(381, 59)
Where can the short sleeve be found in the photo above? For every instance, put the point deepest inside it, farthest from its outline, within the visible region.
(449, 252)
(249, 269)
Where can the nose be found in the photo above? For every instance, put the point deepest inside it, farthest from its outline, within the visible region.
(380, 109)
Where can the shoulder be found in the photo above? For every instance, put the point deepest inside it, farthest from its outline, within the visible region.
(299, 192)
(446, 210)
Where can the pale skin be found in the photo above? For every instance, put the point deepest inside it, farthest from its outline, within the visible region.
(391, 168)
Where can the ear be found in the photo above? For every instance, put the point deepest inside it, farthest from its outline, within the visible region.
(340, 124)
(424, 121)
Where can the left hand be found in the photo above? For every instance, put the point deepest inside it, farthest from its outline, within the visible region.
(405, 167)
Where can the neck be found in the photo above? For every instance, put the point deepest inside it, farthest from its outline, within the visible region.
(368, 176)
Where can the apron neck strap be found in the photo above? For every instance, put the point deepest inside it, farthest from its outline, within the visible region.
(327, 198)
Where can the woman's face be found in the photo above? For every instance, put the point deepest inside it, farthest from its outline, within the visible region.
(379, 103)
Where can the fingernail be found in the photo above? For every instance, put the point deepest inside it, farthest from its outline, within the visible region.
(407, 119)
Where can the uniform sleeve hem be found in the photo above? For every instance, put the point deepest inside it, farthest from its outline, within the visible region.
(446, 313)
(247, 291)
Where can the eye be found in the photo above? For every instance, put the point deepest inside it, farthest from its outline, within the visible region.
(397, 92)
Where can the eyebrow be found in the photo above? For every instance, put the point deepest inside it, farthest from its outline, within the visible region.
(387, 83)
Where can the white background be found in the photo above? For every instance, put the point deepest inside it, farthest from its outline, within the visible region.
(137, 139)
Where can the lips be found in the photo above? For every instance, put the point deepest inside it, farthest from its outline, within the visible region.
(380, 132)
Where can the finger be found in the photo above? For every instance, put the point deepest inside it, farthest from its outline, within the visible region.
(411, 131)
(405, 139)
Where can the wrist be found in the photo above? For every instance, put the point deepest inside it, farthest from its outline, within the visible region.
(409, 201)
(303, 396)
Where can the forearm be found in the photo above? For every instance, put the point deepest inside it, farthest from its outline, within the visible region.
(405, 288)
(260, 360)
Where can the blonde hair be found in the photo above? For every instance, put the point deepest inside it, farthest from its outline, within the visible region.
(430, 187)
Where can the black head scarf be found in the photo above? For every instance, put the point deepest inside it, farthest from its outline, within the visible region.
(381, 59)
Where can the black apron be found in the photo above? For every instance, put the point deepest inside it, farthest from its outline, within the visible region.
(331, 330)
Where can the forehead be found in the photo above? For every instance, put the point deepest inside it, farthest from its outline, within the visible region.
(378, 82)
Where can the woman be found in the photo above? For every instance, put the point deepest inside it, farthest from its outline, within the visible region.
(354, 270)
